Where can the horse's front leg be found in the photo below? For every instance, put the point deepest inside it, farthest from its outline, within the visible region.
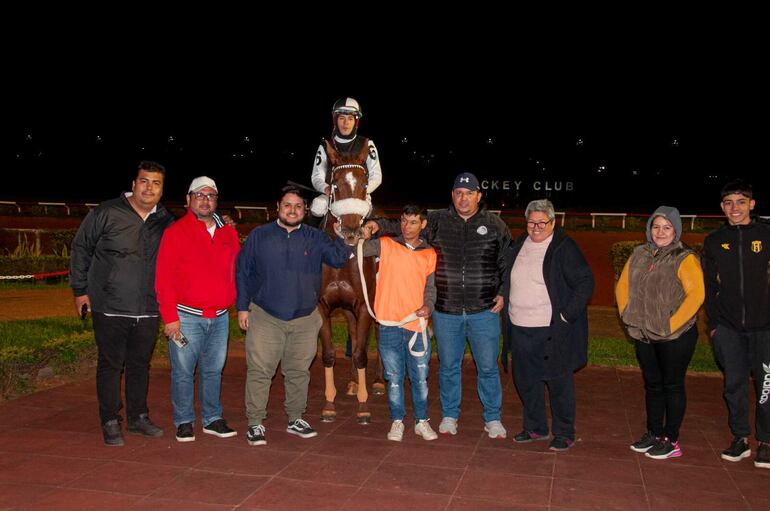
(328, 413)
(360, 355)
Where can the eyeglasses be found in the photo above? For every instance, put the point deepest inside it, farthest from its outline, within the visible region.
(539, 225)
(207, 196)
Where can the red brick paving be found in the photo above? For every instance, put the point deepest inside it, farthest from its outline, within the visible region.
(52, 456)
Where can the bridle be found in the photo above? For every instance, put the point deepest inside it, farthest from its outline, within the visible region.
(350, 205)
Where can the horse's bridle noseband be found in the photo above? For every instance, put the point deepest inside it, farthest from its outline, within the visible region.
(333, 189)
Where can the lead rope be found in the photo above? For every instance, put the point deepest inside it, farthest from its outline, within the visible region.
(407, 319)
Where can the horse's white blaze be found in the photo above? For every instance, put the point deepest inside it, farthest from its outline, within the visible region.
(351, 179)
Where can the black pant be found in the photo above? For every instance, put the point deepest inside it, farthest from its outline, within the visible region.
(528, 350)
(664, 367)
(741, 354)
(123, 343)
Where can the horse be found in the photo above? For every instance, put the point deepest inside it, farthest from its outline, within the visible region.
(342, 288)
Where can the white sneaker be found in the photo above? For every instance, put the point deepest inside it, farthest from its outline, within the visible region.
(448, 426)
(495, 429)
(423, 429)
(396, 432)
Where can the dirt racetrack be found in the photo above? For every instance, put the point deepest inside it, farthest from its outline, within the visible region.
(46, 302)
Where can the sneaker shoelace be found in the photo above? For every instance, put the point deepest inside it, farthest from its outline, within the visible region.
(257, 430)
(301, 423)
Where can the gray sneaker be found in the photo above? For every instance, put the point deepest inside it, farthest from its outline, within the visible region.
(112, 434)
(448, 426)
(142, 425)
(495, 429)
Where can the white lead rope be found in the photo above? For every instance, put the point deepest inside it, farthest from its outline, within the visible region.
(411, 317)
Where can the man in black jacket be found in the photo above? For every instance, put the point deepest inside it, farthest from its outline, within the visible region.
(112, 275)
(470, 243)
(735, 268)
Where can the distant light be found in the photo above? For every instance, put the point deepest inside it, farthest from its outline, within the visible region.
(171, 139)
(579, 142)
(99, 138)
(490, 141)
(404, 140)
(246, 139)
(634, 172)
(675, 142)
(28, 137)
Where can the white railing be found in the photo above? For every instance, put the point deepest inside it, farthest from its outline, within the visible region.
(254, 208)
(58, 204)
(11, 203)
(594, 215)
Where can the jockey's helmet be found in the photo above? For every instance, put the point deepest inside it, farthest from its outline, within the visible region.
(346, 106)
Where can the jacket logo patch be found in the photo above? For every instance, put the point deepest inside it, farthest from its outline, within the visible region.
(726, 246)
(482, 230)
(756, 246)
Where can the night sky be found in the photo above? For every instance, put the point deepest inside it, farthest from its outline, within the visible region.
(624, 140)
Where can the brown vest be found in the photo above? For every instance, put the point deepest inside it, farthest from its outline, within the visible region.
(655, 293)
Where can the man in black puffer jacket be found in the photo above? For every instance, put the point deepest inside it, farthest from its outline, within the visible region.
(112, 275)
(470, 243)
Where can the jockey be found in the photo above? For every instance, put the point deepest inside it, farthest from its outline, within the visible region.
(346, 115)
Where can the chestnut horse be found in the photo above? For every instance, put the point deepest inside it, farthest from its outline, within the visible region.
(341, 288)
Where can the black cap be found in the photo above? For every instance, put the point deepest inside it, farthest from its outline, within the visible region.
(466, 180)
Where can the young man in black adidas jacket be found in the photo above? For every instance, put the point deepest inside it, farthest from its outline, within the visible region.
(735, 268)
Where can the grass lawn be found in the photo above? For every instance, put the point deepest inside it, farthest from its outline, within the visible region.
(601, 351)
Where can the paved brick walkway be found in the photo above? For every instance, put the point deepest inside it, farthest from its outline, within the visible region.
(52, 456)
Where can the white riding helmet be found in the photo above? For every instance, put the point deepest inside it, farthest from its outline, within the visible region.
(347, 106)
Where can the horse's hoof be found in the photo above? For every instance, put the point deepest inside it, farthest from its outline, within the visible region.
(352, 389)
(364, 419)
(328, 418)
(378, 389)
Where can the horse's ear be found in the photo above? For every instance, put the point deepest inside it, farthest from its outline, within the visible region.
(331, 153)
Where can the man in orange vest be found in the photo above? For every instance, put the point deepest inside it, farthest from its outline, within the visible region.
(406, 294)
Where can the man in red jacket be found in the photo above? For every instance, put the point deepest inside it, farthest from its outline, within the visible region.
(195, 285)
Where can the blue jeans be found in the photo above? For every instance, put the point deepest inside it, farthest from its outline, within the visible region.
(395, 355)
(482, 329)
(207, 349)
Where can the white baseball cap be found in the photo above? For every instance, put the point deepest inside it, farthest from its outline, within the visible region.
(202, 182)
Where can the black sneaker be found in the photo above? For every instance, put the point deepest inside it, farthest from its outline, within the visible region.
(184, 432)
(525, 437)
(664, 449)
(645, 443)
(763, 456)
(255, 435)
(219, 428)
(560, 444)
(112, 434)
(142, 425)
(301, 428)
(738, 450)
